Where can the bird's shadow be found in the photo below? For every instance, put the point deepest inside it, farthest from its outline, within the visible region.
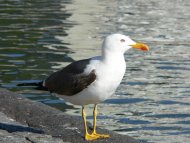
(18, 128)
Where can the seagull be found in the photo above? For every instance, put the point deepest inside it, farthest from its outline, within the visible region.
(92, 80)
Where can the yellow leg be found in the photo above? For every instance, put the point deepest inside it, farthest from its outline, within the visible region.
(86, 134)
(94, 125)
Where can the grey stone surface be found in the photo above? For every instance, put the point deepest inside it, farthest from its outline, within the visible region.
(27, 137)
(14, 132)
(29, 121)
(6, 137)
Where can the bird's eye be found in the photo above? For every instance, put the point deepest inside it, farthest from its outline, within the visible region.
(122, 40)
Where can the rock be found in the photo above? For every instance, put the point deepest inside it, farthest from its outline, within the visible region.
(6, 137)
(41, 138)
(39, 123)
(14, 132)
(26, 137)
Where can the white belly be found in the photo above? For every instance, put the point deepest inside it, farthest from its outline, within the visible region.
(94, 94)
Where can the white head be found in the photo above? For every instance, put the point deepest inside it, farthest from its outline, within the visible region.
(118, 43)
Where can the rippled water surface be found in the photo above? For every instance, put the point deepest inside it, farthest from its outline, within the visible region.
(153, 100)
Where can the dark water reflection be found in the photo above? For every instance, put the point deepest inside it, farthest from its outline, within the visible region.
(27, 29)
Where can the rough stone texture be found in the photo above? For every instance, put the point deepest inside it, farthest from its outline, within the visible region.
(14, 132)
(27, 137)
(40, 123)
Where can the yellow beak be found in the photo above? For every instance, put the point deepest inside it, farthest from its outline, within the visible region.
(140, 46)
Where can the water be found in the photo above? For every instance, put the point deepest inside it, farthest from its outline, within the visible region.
(152, 103)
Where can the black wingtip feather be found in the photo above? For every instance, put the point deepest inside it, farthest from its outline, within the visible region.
(37, 85)
(31, 84)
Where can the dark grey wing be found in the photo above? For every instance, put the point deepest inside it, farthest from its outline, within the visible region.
(71, 79)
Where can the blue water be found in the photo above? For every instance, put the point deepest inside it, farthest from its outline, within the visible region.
(152, 103)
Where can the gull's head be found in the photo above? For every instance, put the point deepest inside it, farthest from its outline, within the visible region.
(121, 43)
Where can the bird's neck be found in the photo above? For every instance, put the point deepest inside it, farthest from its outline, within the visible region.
(109, 57)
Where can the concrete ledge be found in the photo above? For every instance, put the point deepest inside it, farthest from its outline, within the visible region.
(42, 119)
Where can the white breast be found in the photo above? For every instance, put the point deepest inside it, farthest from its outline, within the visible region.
(109, 77)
